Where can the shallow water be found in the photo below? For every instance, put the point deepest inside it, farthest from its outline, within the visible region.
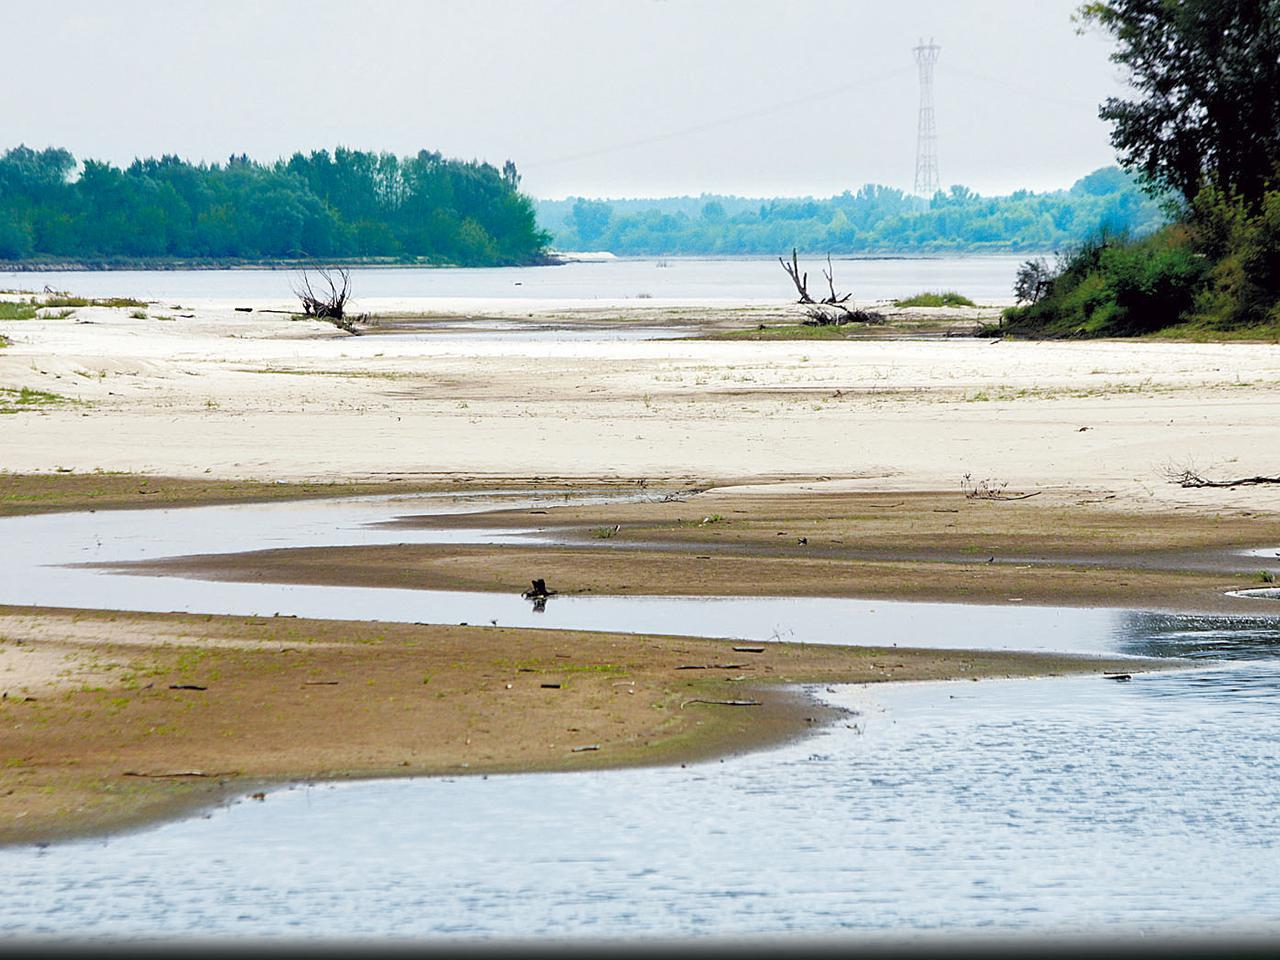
(40, 547)
(981, 278)
(1060, 805)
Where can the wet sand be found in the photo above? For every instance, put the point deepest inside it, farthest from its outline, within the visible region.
(114, 719)
(1052, 549)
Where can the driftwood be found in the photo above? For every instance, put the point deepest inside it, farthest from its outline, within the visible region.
(990, 490)
(829, 273)
(168, 776)
(748, 649)
(330, 304)
(722, 703)
(711, 666)
(186, 686)
(800, 280)
(1189, 478)
(827, 314)
(589, 747)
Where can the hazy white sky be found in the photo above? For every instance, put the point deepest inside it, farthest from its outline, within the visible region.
(625, 98)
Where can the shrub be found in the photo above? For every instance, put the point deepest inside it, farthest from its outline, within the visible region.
(1114, 286)
(1243, 288)
(16, 310)
(939, 298)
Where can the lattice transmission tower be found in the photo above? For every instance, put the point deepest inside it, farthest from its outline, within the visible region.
(927, 182)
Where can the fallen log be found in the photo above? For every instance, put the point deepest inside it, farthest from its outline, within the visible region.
(1193, 480)
(722, 703)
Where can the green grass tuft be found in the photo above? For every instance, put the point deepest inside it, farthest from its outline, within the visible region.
(17, 310)
(936, 298)
(26, 399)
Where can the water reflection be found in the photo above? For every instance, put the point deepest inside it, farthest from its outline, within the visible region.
(1197, 637)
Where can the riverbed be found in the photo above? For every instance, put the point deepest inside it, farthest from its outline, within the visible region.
(1057, 805)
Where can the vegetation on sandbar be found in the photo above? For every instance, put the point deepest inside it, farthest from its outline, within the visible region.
(1203, 130)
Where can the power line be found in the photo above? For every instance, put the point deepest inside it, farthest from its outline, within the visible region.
(723, 121)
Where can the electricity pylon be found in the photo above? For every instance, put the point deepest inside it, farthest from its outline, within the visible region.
(927, 182)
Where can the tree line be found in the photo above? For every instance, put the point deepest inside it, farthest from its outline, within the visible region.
(874, 219)
(319, 205)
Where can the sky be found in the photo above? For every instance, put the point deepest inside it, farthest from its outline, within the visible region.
(606, 98)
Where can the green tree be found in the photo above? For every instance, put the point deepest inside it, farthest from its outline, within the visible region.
(591, 219)
(1205, 75)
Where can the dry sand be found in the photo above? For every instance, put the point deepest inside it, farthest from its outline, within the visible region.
(223, 395)
(235, 395)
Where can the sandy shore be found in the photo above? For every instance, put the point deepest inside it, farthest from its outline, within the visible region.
(836, 469)
(257, 396)
(111, 718)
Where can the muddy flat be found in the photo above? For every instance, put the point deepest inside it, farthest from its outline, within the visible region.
(109, 719)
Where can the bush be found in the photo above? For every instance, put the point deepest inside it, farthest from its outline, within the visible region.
(1243, 288)
(1032, 281)
(940, 298)
(1114, 286)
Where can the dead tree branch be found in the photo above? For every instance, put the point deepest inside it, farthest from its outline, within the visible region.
(990, 490)
(326, 304)
(793, 271)
(1189, 478)
(830, 273)
(837, 314)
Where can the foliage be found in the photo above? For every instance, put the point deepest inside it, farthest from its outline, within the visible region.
(17, 310)
(872, 219)
(1032, 280)
(318, 205)
(939, 298)
(1206, 74)
(1206, 124)
(1117, 286)
(1243, 285)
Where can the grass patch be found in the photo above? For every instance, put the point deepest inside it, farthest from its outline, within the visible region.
(936, 298)
(25, 399)
(17, 310)
(66, 300)
(1204, 331)
(790, 332)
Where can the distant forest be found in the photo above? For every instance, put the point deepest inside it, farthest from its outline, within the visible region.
(348, 204)
(875, 219)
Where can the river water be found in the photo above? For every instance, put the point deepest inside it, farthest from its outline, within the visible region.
(1058, 805)
(738, 279)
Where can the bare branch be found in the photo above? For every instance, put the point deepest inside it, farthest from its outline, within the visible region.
(793, 271)
(830, 273)
(331, 305)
